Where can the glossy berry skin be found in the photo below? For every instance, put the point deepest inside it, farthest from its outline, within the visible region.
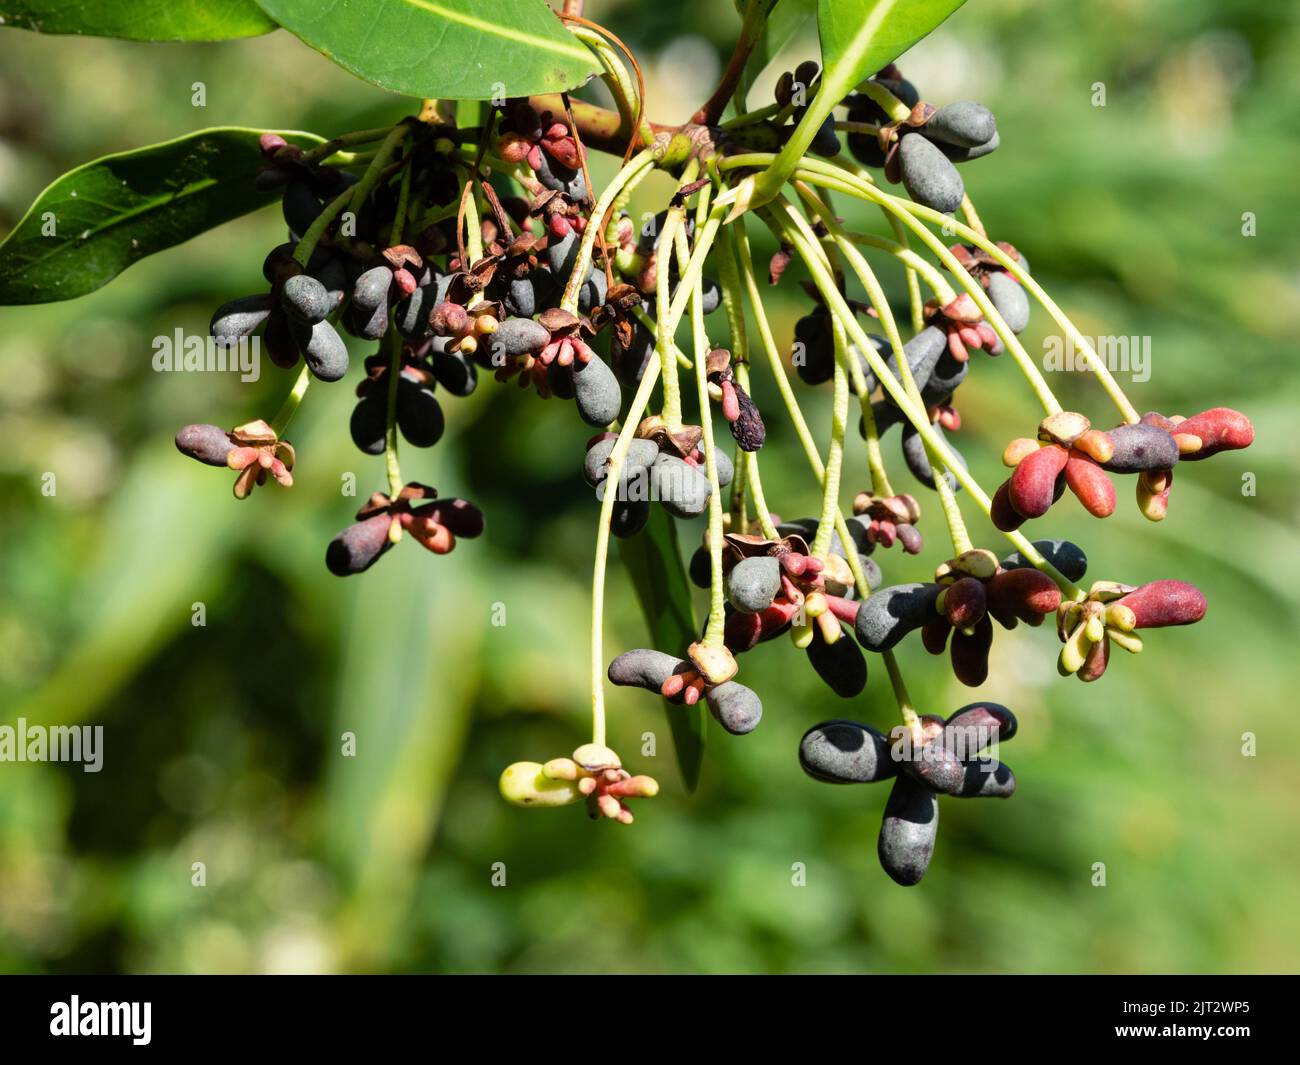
(369, 423)
(419, 415)
(629, 363)
(282, 339)
(816, 362)
(629, 517)
(452, 370)
(366, 323)
(1162, 603)
(300, 206)
(1212, 431)
(643, 667)
(736, 708)
(372, 287)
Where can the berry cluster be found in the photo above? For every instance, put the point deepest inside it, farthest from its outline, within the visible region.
(485, 248)
(945, 758)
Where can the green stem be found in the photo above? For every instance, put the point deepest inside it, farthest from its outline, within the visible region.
(666, 320)
(875, 458)
(825, 283)
(713, 632)
(910, 718)
(788, 399)
(302, 253)
(346, 140)
(914, 265)
(755, 483)
(951, 511)
(1094, 361)
(618, 80)
(889, 103)
(394, 469)
(289, 407)
(817, 173)
(733, 307)
(821, 544)
(645, 319)
(750, 117)
(396, 137)
(1024, 363)
(637, 166)
(617, 457)
(403, 200)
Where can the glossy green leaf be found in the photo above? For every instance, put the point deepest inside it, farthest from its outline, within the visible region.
(450, 49)
(139, 20)
(95, 221)
(858, 37)
(654, 563)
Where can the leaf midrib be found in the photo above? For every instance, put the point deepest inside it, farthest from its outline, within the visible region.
(77, 243)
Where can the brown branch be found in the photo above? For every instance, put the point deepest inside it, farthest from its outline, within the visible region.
(755, 19)
(601, 129)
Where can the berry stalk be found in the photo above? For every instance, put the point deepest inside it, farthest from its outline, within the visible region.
(617, 459)
(289, 407)
(1094, 361)
(825, 284)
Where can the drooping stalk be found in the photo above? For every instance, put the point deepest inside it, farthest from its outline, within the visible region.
(394, 469)
(1094, 361)
(821, 544)
(289, 407)
(825, 284)
(345, 140)
(667, 249)
(734, 309)
(817, 173)
(749, 280)
(618, 80)
(713, 632)
(639, 164)
(614, 476)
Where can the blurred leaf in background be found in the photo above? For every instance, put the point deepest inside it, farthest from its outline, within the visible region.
(225, 743)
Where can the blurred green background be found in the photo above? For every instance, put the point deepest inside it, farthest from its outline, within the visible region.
(222, 743)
